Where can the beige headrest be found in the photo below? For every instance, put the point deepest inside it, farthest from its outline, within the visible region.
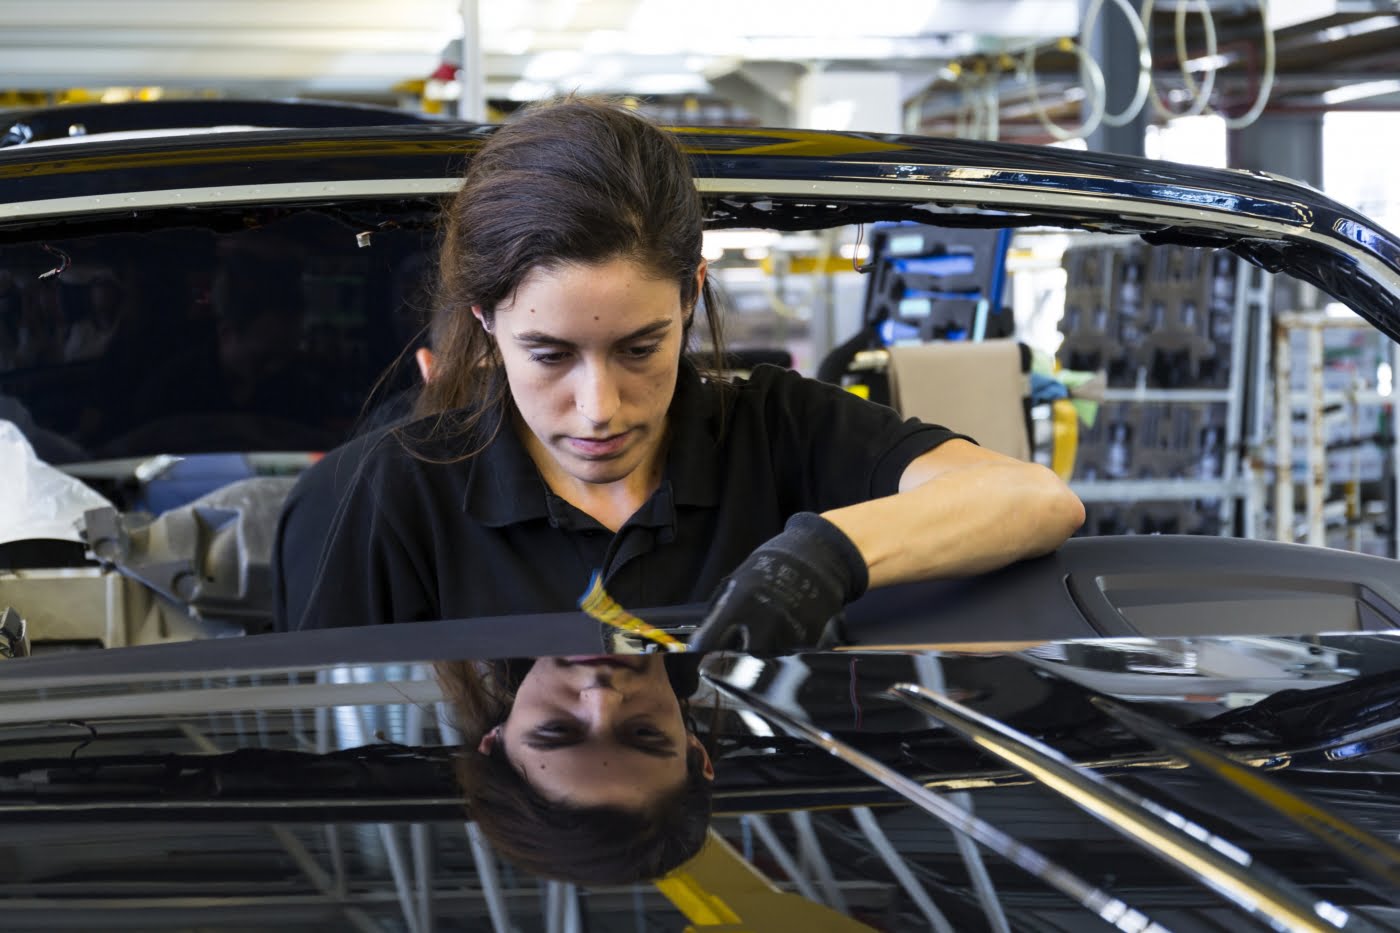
(977, 389)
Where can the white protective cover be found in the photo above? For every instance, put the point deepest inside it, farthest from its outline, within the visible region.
(38, 500)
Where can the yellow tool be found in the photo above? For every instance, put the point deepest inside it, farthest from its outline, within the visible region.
(598, 604)
(719, 892)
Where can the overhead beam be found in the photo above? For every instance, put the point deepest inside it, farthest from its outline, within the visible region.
(213, 16)
(40, 67)
(764, 89)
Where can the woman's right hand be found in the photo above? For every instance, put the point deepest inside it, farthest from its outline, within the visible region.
(785, 594)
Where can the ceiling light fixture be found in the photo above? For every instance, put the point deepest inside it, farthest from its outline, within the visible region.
(1351, 92)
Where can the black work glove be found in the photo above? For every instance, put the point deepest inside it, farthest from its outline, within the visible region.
(786, 592)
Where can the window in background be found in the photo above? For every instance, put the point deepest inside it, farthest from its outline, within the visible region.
(1357, 153)
(1191, 140)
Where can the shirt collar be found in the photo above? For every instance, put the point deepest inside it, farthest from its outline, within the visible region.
(692, 464)
(504, 486)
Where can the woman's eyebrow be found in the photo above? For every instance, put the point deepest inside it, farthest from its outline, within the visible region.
(666, 750)
(540, 338)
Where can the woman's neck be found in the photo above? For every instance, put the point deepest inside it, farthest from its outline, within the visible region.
(610, 504)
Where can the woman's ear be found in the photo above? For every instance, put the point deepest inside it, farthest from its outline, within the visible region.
(700, 272)
(424, 358)
(487, 745)
(709, 768)
(481, 316)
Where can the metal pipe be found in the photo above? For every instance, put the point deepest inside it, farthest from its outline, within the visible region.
(811, 849)
(482, 856)
(554, 907)
(356, 917)
(298, 726)
(930, 670)
(421, 845)
(221, 700)
(260, 717)
(1317, 442)
(1201, 856)
(573, 910)
(759, 823)
(1393, 498)
(1102, 904)
(471, 77)
(199, 740)
(203, 909)
(398, 868)
(1366, 851)
(489, 878)
(1283, 436)
(897, 866)
(1353, 489)
(305, 861)
(337, 854)
(420, 842)
(1234, 454)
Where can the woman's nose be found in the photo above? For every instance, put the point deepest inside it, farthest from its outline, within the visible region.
(600, 700)
(597, 396)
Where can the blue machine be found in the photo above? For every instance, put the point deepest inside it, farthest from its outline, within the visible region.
(935, 283)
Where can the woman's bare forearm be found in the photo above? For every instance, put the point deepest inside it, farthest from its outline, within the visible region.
(968, 518)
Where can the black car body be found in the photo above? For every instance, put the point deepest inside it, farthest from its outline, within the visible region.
(201, 747)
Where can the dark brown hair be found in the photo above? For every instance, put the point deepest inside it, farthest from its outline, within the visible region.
(556, 839)
(571, 181)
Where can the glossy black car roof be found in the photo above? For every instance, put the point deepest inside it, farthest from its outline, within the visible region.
(19, 127)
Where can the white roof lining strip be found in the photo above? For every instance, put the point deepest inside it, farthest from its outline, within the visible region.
(938, 191)
(885, 191)
(228, 194)
(1127, 206)
(1015, 199)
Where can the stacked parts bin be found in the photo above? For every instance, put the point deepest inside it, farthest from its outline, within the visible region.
(1160, 321)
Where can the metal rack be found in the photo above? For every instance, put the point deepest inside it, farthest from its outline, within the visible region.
(1233, 490)
(1314, 401)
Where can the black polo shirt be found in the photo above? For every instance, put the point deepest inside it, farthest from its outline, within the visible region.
(310, 508)
(416, 540)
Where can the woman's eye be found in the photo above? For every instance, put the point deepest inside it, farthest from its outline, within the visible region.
(642, 351)
(549, 359)
(647, 732)
(554, 729)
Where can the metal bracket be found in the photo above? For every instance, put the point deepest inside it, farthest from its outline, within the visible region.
(14, 636)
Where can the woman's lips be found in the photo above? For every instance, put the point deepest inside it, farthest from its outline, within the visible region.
(600, 447)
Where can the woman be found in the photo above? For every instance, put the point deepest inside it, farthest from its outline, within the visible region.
(563, 433)
(619, 786)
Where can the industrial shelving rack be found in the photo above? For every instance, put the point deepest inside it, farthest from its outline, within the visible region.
(1230, 493)
(1316, 400)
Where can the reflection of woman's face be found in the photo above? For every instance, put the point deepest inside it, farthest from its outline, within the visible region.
(597, 731)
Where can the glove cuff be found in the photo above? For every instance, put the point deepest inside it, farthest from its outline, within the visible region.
(847, 563)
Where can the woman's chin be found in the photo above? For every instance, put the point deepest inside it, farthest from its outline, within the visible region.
(602, 471)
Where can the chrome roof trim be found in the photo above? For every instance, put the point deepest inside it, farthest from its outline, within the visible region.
(1019, 200)
(228, 195)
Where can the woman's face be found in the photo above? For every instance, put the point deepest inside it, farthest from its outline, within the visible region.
(603, 731)
(591, 354)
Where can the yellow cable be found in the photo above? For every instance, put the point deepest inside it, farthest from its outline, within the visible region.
(1065, 446)
(599, 605)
